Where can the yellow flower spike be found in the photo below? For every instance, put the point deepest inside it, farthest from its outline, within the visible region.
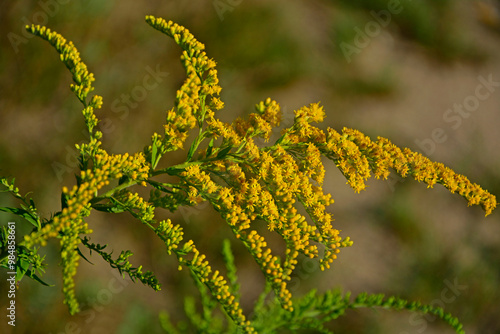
(242, 181)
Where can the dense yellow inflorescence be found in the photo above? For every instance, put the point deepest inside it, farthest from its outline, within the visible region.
(244, 182)
(70, 224)
(201, 81)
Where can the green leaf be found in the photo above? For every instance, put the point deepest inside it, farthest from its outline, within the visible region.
(222, 153)
(160, 186)
(32, 275)
(174, 171)
(193, 147)
(22, 266)
(83, 256)
(64, 201)
(210, 147)
(155, 157)
(24, 214)
(228, 257)
(122, 179)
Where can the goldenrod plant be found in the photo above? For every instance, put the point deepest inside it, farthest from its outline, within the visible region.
(244, 181)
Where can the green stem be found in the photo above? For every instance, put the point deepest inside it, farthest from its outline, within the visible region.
(110, 192)
(195, 144)
(173, 170)
(200, 137)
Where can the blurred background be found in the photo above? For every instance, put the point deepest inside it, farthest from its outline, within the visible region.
(397, 69)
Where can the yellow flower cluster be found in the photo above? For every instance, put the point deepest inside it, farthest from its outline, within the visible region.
(270, 195)
(311, 164)
(70, 57)
(170, 234)
(201, 81)
(70, 224)
(301, 130)
(215, 283)
(356, 155)
(270, 111)
(239, 217)
(70, 259)
(81, 76)
(270, 266)
(382, 155)
(348, 159)
(226, 131)
(265, 183)
(261, 183)
(194, 173)
(286, 181)
(258, 124)
(119, 165)
(137, 206)
(189, 256)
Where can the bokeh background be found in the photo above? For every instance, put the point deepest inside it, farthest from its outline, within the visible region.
(398, 83)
